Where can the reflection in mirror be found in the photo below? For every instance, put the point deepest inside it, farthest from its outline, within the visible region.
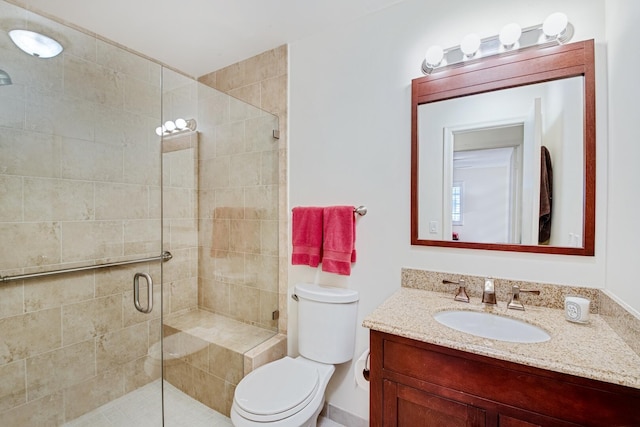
(491, 148)
(486, 186)
(503, 153)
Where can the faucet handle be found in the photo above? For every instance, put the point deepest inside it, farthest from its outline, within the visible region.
(461, 295)
(514, 302)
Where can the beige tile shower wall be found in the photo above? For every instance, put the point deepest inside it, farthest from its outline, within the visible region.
(262, 81)
(180, 199)
(180, 213)
(237, 202)
(79, 184)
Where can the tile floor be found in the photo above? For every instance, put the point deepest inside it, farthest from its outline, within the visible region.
(326, 422)
(142, 408)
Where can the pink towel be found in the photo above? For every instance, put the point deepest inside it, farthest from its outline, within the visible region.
(307, 236)
(338, 249)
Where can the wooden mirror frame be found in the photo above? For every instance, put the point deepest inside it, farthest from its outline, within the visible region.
(519, 69)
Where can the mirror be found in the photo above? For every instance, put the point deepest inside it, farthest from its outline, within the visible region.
(503, 153)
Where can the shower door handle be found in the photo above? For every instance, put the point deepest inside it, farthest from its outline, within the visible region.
(136, 292)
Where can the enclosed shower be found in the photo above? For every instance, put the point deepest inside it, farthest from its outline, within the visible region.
(138, 266)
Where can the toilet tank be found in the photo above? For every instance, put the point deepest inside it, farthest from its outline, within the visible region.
(326, 322)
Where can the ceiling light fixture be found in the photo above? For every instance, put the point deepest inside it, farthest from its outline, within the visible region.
(35, 44)
(555, 30)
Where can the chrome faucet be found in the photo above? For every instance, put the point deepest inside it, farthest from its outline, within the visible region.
(461, 295)
(514, 302)
(489, 292)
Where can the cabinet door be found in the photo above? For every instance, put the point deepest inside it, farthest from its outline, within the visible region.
(409, 407)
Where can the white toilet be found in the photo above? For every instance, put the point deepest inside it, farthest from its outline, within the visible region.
(290, 392)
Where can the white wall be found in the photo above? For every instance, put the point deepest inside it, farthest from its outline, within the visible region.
(350, 144)
(623, 227)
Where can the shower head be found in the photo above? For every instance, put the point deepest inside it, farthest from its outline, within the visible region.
(4, 78)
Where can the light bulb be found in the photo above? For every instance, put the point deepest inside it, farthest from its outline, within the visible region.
(434, 56)
(510, 34)
(169, 126)
(181, 124)
(555, 24)
(470, 44)
(159, 131)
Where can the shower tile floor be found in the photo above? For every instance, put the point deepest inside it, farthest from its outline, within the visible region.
(133, 409)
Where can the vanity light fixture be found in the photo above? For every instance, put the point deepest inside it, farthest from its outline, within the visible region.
(35, 44)
(555, 30)
(434, 56)
(470, 45)
(172, 127)
(509, 36)
(555, 25)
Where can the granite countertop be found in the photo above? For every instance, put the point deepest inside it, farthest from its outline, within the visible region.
(592, 350)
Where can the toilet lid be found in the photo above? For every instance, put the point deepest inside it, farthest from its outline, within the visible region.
(276, 390)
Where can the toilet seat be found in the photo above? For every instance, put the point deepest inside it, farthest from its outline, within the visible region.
(277, 390)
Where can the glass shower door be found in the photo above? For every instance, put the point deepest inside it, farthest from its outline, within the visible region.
(80, 186)
(220, 219)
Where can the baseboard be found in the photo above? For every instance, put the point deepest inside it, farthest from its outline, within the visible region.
(343, 417)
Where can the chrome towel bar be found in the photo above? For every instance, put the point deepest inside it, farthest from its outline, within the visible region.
(166, 256)
(360, 210)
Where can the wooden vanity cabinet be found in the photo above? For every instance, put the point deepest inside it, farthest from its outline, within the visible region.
(416, 384)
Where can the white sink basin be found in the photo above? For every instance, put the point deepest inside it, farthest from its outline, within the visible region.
(492, 326)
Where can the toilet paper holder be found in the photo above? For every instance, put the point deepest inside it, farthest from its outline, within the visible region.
(366, 371)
